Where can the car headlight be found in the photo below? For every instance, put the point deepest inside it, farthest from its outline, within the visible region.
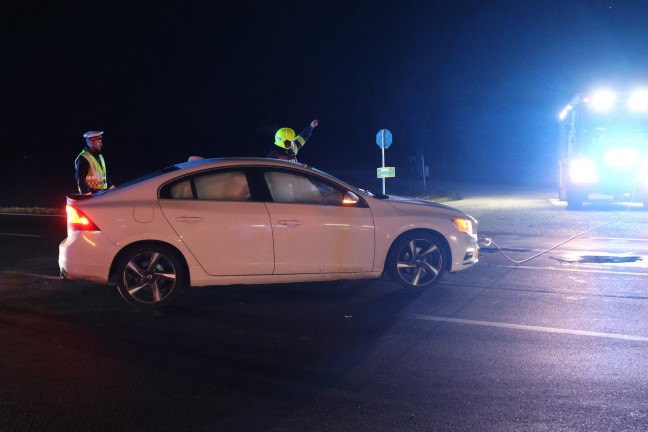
(621, 157)
(638, 100)
(603, 100)
(464, 225)
(643, 173)
(583, 171)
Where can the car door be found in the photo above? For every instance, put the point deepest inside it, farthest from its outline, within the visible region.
(318, 227)
(226, 232)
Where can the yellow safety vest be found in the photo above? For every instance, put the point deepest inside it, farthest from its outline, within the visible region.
(96, 176)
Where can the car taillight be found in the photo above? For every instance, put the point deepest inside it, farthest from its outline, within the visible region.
(78, 221)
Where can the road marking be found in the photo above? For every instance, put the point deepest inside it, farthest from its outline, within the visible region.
(32, 214)
(570, 270)
(20, 235)
(619, 238)
(34, 275)
(530, 328)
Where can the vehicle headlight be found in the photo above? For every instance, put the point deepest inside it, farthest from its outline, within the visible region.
(643, 173)
(638, 100)
(464, 225)
(583, 171)
(621, 157)
(603, 100)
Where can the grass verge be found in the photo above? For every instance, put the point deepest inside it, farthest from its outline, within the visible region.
(32, 210)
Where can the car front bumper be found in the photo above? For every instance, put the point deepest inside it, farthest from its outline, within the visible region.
(465, 251)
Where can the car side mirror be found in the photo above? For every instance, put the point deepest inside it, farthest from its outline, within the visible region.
(350, 199)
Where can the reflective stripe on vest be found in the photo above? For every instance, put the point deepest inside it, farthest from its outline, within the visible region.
(96, 176)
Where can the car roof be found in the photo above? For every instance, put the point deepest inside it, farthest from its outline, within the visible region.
(209, 162)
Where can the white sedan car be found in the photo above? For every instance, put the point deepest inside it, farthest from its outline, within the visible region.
(255, 221)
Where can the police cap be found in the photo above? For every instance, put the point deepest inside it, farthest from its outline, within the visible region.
(93, 134)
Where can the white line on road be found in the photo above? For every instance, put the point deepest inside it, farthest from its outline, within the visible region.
(34, 275)
(619, 238)
(32, 214)
(571, 270)
(20, 235)
(530, 328)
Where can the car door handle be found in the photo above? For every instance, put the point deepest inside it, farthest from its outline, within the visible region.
(290, 223)
(189, 219)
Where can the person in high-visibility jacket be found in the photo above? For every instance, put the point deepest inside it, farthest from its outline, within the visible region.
(286, 144)
(91, 175)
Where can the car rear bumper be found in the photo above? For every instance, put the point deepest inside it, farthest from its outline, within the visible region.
(93, 255)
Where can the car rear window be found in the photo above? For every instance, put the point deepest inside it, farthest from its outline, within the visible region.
(151, 175)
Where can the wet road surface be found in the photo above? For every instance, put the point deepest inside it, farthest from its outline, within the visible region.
(557, 342)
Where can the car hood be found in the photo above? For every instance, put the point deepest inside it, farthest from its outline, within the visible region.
(408, 200)
(406, 204)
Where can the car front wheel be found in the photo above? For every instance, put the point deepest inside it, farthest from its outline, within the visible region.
(416, 260)
(149, 276)
(575, 198)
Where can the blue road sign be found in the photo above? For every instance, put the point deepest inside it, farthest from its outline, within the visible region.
(384, 138)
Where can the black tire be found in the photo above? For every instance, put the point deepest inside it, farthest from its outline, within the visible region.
(574, 204)
(416, 260)
(149, 276)
(562, 194)
(642, 197)
(575, 198)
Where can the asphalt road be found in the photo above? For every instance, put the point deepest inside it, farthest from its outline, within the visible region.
(554, 343)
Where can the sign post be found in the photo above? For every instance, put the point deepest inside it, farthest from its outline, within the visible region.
(384, 140)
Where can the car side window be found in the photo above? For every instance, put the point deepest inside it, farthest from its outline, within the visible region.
(286, 187)
(181, 190)
(222, 186)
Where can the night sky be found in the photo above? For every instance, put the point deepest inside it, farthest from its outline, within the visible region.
(474, 86)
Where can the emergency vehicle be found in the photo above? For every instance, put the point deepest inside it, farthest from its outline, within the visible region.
(603, 147)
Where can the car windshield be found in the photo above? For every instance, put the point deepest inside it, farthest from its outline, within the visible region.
(350, 186)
